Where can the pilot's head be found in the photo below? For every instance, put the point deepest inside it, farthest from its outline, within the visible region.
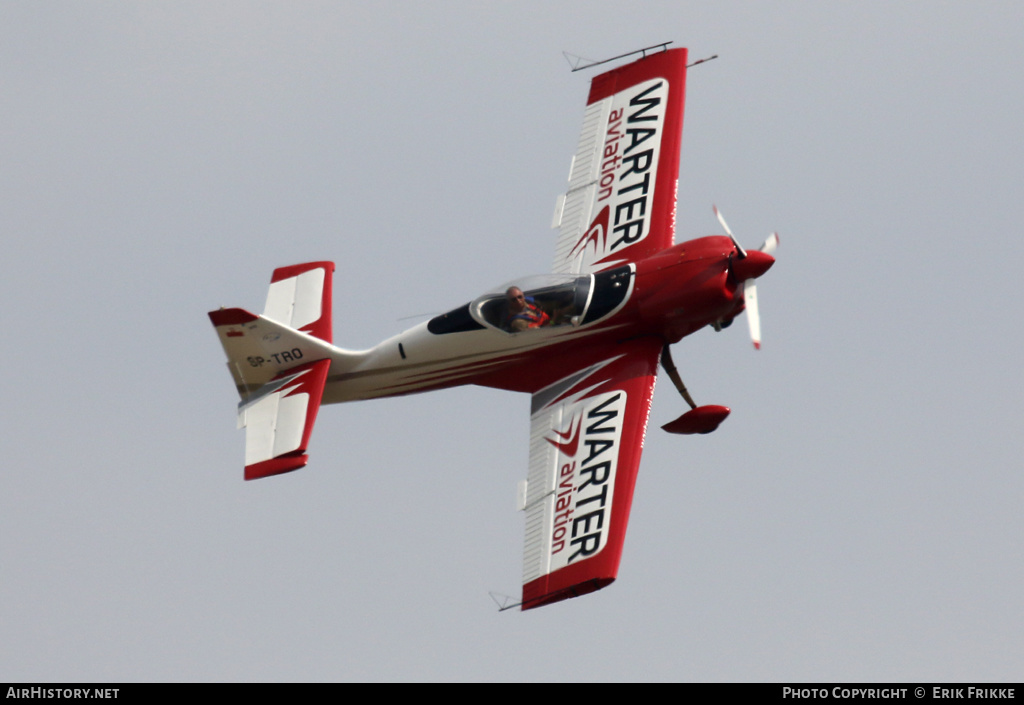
(515, 298)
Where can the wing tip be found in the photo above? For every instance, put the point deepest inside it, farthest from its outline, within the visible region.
(578, 590)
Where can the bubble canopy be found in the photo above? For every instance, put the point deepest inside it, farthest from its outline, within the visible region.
(567, 299)
(563, 297)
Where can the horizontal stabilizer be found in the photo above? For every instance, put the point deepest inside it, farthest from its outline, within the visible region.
(279, 418)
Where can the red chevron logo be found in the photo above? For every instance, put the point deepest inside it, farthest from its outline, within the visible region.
(596, 235)
(570, 438)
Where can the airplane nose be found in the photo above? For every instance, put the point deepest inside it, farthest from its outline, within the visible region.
(753, 265)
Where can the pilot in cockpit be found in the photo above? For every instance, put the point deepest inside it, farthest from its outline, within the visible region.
(521, 313)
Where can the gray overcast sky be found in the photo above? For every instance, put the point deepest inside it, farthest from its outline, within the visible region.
(858, 517)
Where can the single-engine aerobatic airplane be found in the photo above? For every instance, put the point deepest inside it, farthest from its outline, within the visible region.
(584, 342)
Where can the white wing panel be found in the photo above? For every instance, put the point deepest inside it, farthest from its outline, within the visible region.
(568, 513)
(556, 430)
(540, 493)
(578, 201)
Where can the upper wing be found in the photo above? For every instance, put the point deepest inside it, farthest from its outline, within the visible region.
(586, 437)
(621, 202)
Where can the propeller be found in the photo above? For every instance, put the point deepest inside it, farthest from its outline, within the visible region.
(746, 267)
(749, 266)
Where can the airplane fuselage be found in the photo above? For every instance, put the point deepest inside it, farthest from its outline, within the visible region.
(668, 295)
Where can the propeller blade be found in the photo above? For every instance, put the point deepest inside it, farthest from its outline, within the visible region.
(740, 250)
(748, 271)
(753, 317)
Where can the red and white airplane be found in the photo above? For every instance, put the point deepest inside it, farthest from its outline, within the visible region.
(585, 343)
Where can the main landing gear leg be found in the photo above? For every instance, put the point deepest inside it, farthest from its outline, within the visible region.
(699, 419)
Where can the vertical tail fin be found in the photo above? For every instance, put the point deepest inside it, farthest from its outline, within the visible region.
(295, 327)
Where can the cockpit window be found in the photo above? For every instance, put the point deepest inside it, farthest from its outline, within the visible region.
(611, 288)
(546, 301)
(553, 301)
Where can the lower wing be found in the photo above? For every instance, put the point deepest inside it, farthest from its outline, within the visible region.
(586, 437)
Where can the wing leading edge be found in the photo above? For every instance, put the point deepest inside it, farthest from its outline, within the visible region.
(586, 437)
(621, 203)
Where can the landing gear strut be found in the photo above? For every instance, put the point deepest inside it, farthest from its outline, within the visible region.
(699, 419)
